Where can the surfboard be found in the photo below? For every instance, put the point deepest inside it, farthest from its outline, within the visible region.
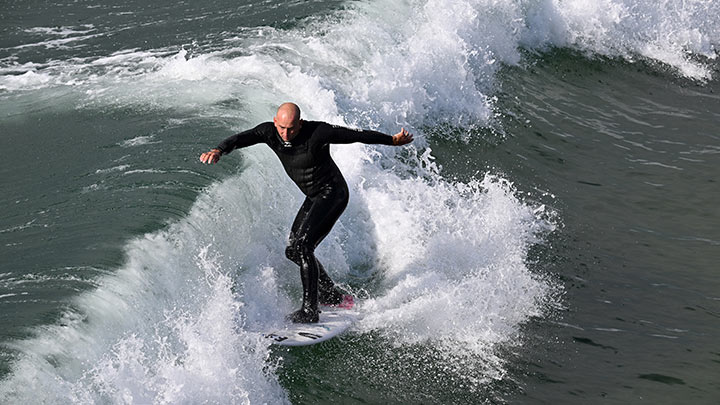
(333, 321)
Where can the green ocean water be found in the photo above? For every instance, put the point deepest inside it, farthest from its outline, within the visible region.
(560, 202)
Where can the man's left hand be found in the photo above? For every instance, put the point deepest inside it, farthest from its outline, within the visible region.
(402, 138)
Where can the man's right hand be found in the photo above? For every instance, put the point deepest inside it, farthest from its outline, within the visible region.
(211, 157)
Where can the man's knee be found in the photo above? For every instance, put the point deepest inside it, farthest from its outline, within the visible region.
(299, 249)
(292, 253)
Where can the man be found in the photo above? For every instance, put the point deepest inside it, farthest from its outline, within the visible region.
(303, 149)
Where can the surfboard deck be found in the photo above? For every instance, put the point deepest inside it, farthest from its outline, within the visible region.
(333, 321)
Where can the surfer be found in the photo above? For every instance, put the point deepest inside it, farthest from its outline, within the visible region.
(303, 149)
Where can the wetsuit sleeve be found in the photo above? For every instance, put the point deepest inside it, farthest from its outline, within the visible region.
(336, 134)
(243, 139)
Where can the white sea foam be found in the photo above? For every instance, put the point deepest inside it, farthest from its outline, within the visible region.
(28, 80)
(169, 326)
(436, 54)
(61, 31)
(62, 38)
(119, 168)
(138, 141)
(669, 31)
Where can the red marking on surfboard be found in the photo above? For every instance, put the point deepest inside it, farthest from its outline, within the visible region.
(348, 302)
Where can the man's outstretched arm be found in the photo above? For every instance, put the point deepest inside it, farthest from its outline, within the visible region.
(338, 134)
(241, 140)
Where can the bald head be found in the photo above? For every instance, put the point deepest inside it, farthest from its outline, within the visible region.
(290, 110)
(287, 121)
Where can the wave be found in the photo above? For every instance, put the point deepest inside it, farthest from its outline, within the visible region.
(180, 321)
(405, 44)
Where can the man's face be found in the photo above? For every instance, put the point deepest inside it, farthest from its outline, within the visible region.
(287, 126)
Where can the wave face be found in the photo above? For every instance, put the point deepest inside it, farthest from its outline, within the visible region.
(442, 265)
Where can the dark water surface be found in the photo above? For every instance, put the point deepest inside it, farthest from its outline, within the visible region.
(632, 158)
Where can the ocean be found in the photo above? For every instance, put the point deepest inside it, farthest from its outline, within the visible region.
(551, 236)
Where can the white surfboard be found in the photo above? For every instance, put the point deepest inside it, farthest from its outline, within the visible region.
(333, 321)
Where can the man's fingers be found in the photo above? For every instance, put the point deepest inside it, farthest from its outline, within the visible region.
(407, 136)
(403, 137)
(209, 157)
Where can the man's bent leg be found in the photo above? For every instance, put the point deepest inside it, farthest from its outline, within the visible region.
(308, 312)
(313, 222)
(328, 292)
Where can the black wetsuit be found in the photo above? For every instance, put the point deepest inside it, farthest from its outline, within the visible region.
(306, 159)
